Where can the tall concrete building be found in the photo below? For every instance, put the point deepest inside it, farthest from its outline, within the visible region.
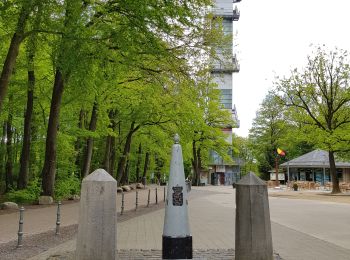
(220, 171)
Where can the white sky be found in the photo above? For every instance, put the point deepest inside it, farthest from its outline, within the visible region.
(274, 36)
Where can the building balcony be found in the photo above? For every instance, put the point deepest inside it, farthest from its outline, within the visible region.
(235, 117)
(226, 67)
(224, 13)
(216, 160)
(236, 14)
(236, 66)
(235, 121)
(222, 69)
(227, 13)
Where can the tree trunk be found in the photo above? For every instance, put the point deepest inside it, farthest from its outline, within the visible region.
(17, 140)
(9, 150)
(113, 156)
(333, 172)
(145, 168)
(124, 156)
(72, 14)
(3, 155)
(159, 166)
(49, 168)
(90, 141)
(138, 165)
(195, 164)
(107, 155)
(199, 165)
(78, 144)
(34, 158)
(125, 177)
(108, 147)
(25, 155)
(12, 52)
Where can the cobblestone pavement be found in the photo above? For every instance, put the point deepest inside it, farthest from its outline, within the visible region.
(222, 254)
(210, 254)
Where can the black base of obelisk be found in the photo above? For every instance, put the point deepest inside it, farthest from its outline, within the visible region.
(177, 247)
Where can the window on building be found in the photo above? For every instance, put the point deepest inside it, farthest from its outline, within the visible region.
(226, 98)
(227, 26)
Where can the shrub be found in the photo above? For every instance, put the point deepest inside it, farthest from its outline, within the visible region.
(28, 195)
(295, 186)
(66, 187)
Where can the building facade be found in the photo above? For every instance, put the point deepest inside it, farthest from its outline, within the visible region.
(314, 166)
(220, 171)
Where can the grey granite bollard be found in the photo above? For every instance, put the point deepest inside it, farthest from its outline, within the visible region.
(20, 227)
(97, 218)
(137, 200)
(148, 197)
(58, 218)
(253, 226)
(156, 196)
(164, 194)
(177, 239)
(122, 207)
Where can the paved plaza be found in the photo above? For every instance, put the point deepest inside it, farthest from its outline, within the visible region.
(301, 229)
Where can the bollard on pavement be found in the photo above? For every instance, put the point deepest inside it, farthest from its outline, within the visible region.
(137, 200)
(177, 240)
(149, 197)
(20, 228)
(97, 218)
(156, 196)
(253, 226)
(58, 218)
(188, 186)
(122, 207)
(164, 194)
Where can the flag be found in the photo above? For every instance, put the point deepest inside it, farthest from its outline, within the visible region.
(281, 152)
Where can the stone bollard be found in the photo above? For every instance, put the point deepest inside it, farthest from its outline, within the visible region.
(137, 200)
(148, 197)
(177, 240)
(122, 207)
(156, 196)
(20, 228)
(97, 218)
(253, 226)
(188, 186)
(164, 192)
(58, 218)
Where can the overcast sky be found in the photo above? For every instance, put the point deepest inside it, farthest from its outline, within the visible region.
(274, 36)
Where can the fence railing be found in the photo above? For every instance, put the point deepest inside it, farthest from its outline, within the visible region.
(140, 198)
(126, 201)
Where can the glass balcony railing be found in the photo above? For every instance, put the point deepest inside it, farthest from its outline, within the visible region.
(226, 13)
(236, 14)
(236, 66)
(226, 66)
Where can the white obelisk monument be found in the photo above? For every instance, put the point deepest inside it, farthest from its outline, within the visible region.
(177, 239)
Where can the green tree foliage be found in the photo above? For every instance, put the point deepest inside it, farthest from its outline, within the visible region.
(89, 82)
(272, 129)
(243, 150)
(318, 98)
(266, 134)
